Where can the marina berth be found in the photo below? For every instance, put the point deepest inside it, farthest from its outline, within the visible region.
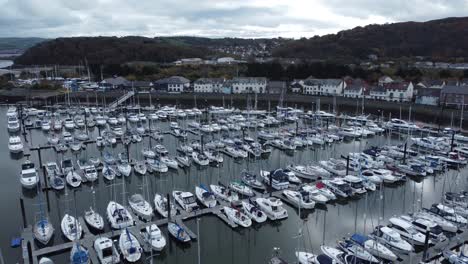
(259, 170)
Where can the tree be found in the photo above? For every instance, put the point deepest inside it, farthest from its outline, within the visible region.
(445, 74)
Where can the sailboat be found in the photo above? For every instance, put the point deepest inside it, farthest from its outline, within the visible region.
(79, 255)
(71, 227)
(129, 246)
(43, 229)
(93, 218)
(118, 216)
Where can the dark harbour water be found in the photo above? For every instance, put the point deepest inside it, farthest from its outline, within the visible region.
(218, 242)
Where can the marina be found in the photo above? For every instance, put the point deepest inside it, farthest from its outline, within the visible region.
(300, 159)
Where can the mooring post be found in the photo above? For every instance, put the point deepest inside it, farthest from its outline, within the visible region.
(23, 213)
(271, 182)
(347, 164)
(30, 257)
(453, 139)
(404, 154)
(128, 152)
(168, 206)
(426, 244)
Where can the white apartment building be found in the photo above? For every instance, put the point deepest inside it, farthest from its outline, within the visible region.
(249, 85)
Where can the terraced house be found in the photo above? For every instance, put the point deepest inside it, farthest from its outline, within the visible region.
(208, 85)
(314, 86)
(249, 85)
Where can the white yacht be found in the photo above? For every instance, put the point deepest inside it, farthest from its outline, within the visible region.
(29, 177)
(140, 207)
(186, 200)
(152, 235)
(15, 145)
(106, 251)
(13, 124)
(273, 207)
(161, 206)
(237, 217)
(299, 199)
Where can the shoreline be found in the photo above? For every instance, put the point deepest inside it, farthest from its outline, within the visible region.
(424, 113)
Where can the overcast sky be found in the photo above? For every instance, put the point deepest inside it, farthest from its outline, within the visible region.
(211, 18)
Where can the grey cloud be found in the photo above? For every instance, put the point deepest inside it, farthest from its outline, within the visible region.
(210, 18)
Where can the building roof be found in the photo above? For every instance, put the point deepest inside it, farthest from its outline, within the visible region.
(296, 85)
(173, 80)
(454, 89)
(431, 83)
(249, 80)
(429, 92)
(402, 86)
(116, 81)
(327, 82)
(209, 80)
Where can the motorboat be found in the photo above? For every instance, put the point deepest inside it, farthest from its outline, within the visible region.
(436, 233)
(13, 124)
(200, 159)
(237, 217)
(205, 197)
(124, 167)
(447, 213)
(273, 207)
(250, 180)
(152, 235)
(118, 216)
(90, 173)
(108, 172)
(277, 179)
(15, 145)
(454, 258)
(375, 248)
(109, 158)
(355, 183)
(241, 188)
(224, 193)
(178, 232)
(73, 179)
(407, 231)
(292, 178)
(155, 165)
(161, 206)
(339, 187)
(299, 199)
(94, 219)
(140, 207)
(334, 166)
(313, 194)
(29, 177)
(71, 227)
(319, 188)
(129, 246)
(253, 212)
(446, 225)
(392, 239)
(214, 156)
(309, 172)
(186, 200)
(106, 251)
